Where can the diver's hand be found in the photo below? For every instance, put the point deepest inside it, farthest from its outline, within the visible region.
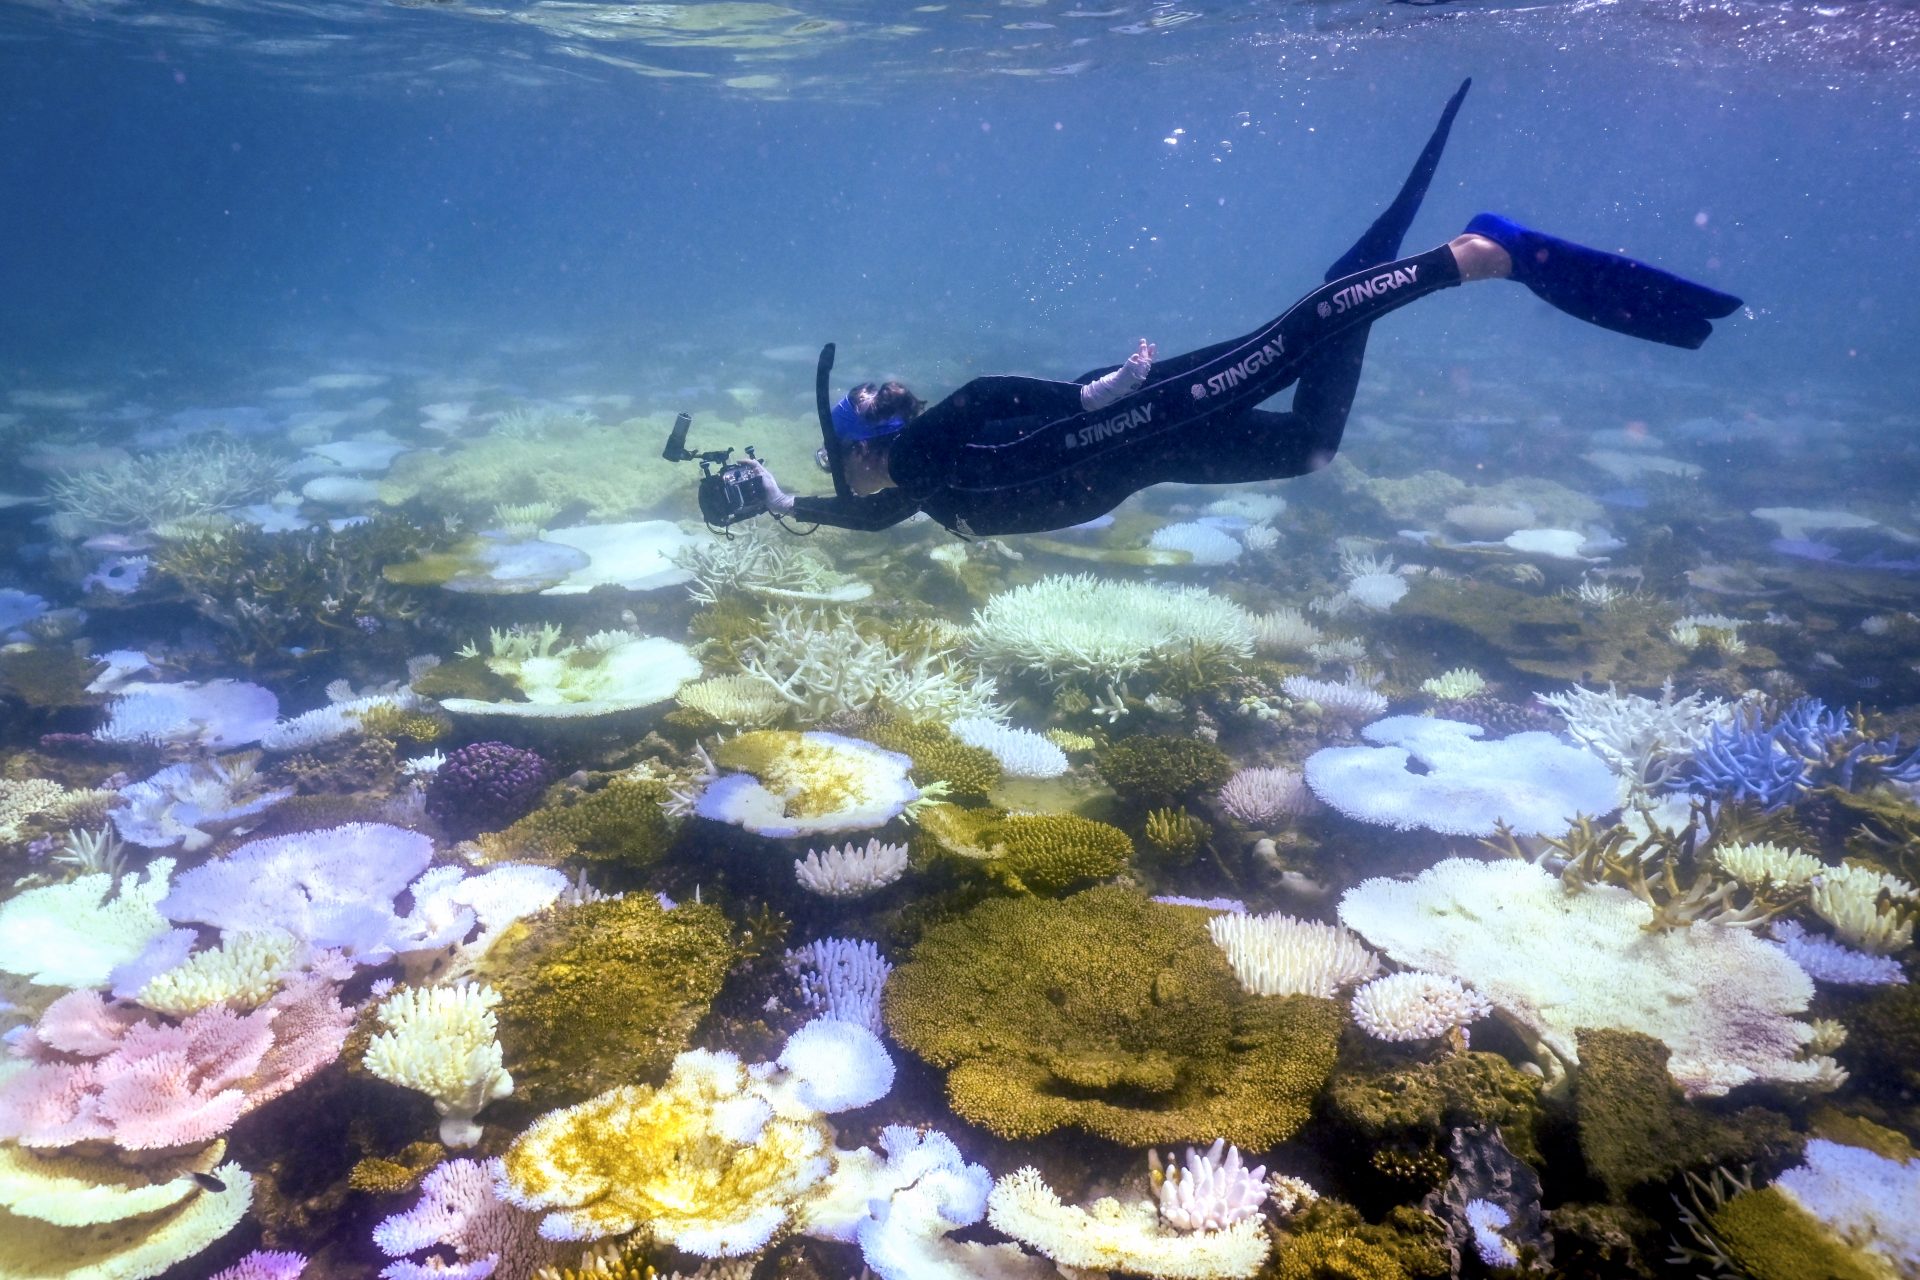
(1140, 363)
(1103, 391)
(779, 501)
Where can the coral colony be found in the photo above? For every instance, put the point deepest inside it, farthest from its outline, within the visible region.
(431, 853)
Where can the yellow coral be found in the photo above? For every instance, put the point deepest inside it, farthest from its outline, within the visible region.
(624, 820)
(698, 1163)
(1030, 853)
(735, 699)
(969, 772)
(245, 969)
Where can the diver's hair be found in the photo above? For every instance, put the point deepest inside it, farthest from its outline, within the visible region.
(885, 401)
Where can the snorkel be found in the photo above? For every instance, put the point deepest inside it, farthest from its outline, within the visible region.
(841, 424)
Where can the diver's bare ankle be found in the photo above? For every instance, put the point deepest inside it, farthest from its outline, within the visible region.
(1480, 258)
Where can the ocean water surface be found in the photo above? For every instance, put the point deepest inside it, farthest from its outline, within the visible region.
(429, 848)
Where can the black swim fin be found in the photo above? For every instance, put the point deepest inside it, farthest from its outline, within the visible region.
(1606, 289)
(1381, 242)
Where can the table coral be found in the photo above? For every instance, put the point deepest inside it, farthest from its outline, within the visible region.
(125, 1248)
(1110, 1013)
(74, 934)
(790, 784)
(596, 994)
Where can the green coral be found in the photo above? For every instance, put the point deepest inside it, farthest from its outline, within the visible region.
(1030, 852)
(573, 462)
(1175, 835)
(1637, 1128)
(1110, 1013)
(624, 821)
(396, 723)
(1159, 772)
(1769, 1237)
(1429, 1099)
(603, 993)
(1331, 1241)
(969, 772)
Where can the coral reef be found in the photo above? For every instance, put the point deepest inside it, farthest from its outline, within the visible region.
(1110, 1013)
(485, 786)
(624, 821)
(1155, 772)
(1029, 852)
(1425, 1101)
(596, 994)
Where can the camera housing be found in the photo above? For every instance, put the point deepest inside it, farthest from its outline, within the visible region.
(729, 495)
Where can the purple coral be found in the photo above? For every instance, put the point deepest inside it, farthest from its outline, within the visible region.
(485, 786)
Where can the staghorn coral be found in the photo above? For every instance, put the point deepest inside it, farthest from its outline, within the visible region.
(1176, 835)
(275, 599)
(1030, 852)
(821, 664)
(851, 870)
(1159, 772)
(1258, 797)
(595, 994)
(1109, 1013)
(204, 476)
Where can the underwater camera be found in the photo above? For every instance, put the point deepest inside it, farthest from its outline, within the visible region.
(729, 495)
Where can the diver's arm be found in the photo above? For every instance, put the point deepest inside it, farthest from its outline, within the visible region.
(867, 513)
(1119, 384)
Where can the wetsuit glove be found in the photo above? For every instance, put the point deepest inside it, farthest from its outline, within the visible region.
(779, 501)
(1121, 383)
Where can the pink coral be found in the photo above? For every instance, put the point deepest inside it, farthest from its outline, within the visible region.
(98, 1072)
(459, 1209)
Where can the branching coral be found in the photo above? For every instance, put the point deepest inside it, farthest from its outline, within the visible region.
(1083, 625)
(1110, 1013)
(757, 561)
(821, 664)
(205, 476)
(320, 590)
(440, 1040)
(1153, 771)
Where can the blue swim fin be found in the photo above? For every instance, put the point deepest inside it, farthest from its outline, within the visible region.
(1606, 289)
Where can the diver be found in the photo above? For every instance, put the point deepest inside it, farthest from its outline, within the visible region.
(1008, 454)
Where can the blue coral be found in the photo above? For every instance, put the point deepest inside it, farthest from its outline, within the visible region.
(486, 786)
(1744, 760)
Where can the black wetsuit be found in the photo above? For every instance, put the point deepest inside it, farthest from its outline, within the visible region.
(1019, 455)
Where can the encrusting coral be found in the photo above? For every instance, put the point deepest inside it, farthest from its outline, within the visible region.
(1427, 1100)
(597, 994)
(1107, 1012)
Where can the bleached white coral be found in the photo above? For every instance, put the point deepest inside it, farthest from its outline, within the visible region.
(1377, 591)
(1022, 753)
(1278, 955)
(1080, 624)
(1487, 1220)
(1347, 700)
(819, 664)
(1111, 1236)
(1828, 961)
(74, 935)
(337, 720)
(1647, 741)
(1708, 630)
(189, 804)
(1416, 1006)
(1864, 1198)
(850, 870)
(1260, 796)
(1285, 630)
(1553, 962)
(1212, 1189)
(755, 560)
(841, 978)
(1203, 544)
(444, 1042)
(1867, 909)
